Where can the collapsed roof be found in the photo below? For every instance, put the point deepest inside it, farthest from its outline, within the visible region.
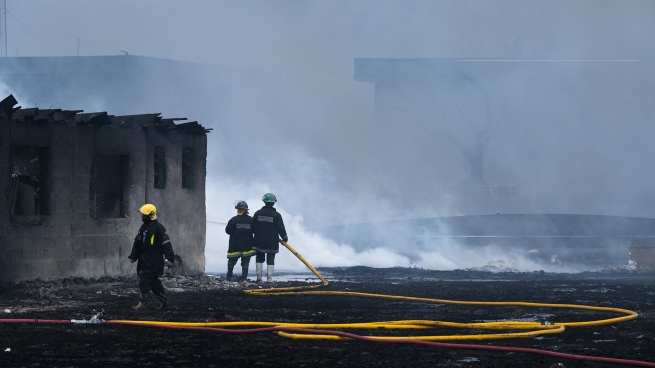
(9, 110)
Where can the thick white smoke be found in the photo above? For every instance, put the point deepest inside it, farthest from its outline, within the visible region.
(288, 117)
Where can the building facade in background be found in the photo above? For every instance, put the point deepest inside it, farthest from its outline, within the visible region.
(487, 136)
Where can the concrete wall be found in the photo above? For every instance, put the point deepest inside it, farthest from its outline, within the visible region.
(68, 240)
(101, 246)
(642, 253)
(181, 210)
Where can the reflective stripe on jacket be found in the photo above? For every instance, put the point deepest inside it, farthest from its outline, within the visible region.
(241, 241)
(151, 246)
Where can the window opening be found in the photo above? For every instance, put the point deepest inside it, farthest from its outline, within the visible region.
(109, 186)
(160, 168)
(28, 181)
(188, 157)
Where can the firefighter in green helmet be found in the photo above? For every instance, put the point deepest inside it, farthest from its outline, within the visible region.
(152, 250)
(268, 228)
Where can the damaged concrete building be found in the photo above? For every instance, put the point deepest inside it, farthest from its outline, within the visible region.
(73, 183)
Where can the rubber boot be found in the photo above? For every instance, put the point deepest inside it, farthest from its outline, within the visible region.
(230, 268)
(163, 301)
(269, 273)
(244, 273)
(143, 300)
(258, 269)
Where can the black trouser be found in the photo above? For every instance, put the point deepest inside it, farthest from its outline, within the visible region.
(270, 258)
(150, 281)
(245, 261)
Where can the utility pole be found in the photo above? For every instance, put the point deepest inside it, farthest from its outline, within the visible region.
(3, 28)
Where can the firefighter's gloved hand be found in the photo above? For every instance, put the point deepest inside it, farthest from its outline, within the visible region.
(286, 239)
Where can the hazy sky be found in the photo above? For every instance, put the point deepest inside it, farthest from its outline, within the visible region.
(320, 122)
(324, 36)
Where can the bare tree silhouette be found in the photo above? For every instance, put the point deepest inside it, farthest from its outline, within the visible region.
(482, 135)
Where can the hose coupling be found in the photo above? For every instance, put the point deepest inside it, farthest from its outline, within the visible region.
(93, 320)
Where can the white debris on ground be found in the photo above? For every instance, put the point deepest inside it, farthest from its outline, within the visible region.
(204, 282)
(498, 265)
(534, 256)
(631, 266)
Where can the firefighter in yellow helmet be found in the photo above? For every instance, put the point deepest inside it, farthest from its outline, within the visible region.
(152, 250)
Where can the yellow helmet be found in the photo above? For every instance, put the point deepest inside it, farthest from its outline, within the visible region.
(149, 210)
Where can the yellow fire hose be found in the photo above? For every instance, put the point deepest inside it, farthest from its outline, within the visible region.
(516, 329)
(287, 289)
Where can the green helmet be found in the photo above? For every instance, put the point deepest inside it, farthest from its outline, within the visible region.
(269, 198)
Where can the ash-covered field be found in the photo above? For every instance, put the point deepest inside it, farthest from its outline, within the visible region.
(212, 299)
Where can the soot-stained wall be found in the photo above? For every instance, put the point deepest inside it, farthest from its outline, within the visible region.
(73, 182)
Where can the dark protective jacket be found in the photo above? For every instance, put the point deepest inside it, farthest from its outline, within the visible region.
(150, 247)
(268, 227)
(241, 241)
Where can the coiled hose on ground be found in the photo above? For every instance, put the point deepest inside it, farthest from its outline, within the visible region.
(326, 331)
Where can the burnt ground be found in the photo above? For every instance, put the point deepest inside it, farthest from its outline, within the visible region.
(212, 299)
